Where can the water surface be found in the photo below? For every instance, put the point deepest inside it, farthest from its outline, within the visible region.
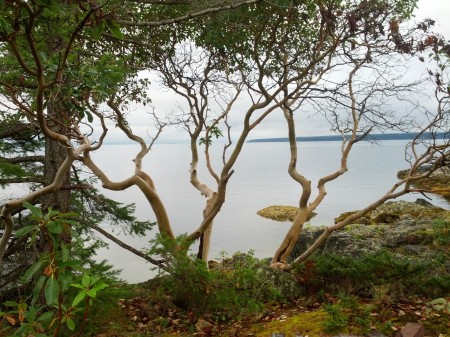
(260, 180)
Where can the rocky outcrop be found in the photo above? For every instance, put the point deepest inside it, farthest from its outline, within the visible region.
(394, 212)
(438, 182)
(281, 213)
(403, 228)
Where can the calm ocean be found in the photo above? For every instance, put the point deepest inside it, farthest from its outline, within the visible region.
(260, 180)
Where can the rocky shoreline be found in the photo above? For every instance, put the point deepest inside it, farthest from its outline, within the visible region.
(402, 228)
(438, 182)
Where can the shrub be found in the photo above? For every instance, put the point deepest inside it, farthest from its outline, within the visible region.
(361, 275)
(441, 232)
(233, 287)
(61, 291)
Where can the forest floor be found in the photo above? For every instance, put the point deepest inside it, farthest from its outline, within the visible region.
(130, 312)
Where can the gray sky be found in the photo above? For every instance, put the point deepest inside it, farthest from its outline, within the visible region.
(275, 126)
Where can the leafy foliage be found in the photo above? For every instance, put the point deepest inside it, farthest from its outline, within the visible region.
(360, 276)
(231, 288)
(52, 302)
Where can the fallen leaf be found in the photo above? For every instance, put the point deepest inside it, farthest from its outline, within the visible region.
(11, 320)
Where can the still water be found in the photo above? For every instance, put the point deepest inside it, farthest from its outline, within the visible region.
(260, 180)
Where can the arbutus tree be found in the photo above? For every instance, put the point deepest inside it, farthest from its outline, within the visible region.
(360, 104)
(53, 69)
(271, 54)
(361, 39)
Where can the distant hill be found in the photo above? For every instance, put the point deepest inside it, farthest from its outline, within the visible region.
(374, 137)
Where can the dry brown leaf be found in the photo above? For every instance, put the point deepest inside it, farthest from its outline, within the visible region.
(11, 320)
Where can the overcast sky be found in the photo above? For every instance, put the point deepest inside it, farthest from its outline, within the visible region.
(275, 126)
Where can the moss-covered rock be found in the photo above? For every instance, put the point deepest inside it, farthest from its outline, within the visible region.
(438, 182)
(393, 212)
(281, 213)
(412, 235)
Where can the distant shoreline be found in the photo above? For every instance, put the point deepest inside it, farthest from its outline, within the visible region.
(374, 137)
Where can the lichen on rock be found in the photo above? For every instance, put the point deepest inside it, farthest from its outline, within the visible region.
(392, 212)
(403, 228)
(281, 213)
(438, 182)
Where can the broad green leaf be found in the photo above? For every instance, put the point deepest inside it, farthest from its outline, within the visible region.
(51, 290)
(64, 252)
(97, 31)
(46, 316)
(94, 280)
(70, 324)
(81, 295)
(92, 293)
(77, 285)
(69, 215)
(100, 286)
(50, 214)
(86, 280)
(54, 227)
(36, 212)
(37, 289)
(11, 304)
(89, 117)
(115, 30)
(24, 231)
(31, 271)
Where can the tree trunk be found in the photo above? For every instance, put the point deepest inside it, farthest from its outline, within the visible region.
(286, 247)
(55, 154)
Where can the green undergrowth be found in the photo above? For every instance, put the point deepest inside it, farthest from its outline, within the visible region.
(106, 316)
(363, 276)
(229, 288)
(341, 294)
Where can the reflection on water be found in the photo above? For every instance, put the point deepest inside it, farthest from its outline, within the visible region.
(260, 180)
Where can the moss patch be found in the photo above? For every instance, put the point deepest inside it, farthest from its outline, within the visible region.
(281, 213)
(308, 323)
(392, 212)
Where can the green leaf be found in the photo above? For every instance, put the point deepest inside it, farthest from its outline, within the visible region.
(64, 252)
(115, 30)
(51, 291)
(36, 212)
(97, 31)
(37, 289)
(77, 285)
(24, 231)
(54, 227)
(100, 286)
(71, 222)
(81, 295)
(46, 316)
(91, 293)
(71, 263)
(31, 271)
(11, 304)
(89, 116)
(94, 280)
(86, 280)
(70, 324)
